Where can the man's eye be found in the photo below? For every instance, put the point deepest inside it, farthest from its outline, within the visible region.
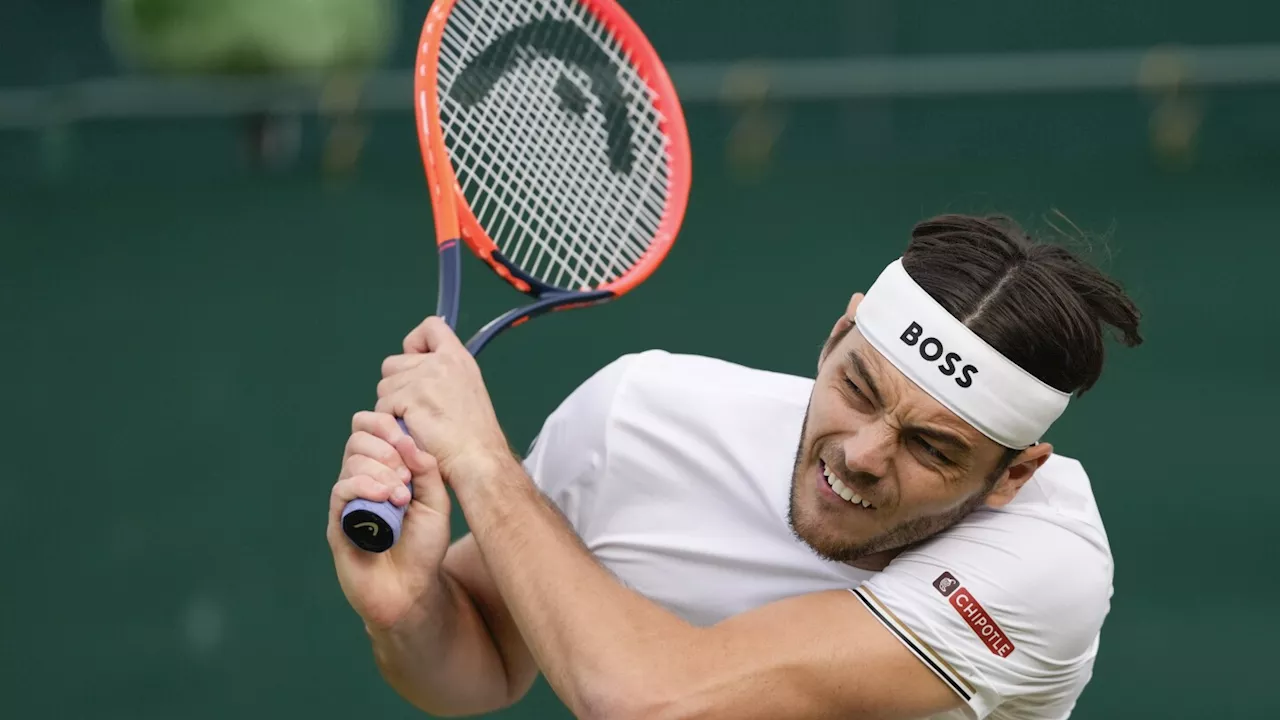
(853, 387)
(937, 454)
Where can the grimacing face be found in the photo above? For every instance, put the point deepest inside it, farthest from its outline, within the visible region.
(882, 465)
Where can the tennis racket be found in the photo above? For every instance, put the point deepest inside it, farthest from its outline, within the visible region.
(555, 149)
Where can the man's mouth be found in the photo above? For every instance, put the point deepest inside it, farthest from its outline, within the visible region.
(842, 490)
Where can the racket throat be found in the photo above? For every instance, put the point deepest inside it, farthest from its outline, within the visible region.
(450, 293)
(546, 303)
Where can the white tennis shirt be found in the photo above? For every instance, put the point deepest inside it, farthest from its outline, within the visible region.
(675, 470)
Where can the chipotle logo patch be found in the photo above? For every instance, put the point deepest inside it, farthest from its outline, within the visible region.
(974, 614)
(946, 584)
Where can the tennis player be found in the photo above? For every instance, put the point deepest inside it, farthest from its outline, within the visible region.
(691, 538)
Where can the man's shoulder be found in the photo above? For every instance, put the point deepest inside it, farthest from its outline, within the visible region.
(672, 433)
(1055, 513)
(1013, 598)
(1060, 494)
(1045, 554)
(663, 380)
(657, 365)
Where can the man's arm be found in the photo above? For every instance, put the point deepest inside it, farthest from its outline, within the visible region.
(611, 653)
(461, 653)
(606, 650)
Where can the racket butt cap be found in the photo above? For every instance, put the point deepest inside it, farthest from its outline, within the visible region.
(370, 526)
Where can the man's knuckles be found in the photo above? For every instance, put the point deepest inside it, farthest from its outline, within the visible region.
(396, 364)
(378, 424)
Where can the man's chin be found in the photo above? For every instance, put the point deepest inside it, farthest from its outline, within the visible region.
(806, 517)
(829, 543)
(840, 545)
(836, 550)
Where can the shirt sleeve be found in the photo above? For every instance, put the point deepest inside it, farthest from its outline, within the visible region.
(568, 453)
(1004, 608)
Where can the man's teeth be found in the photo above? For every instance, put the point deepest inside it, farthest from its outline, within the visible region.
(843, 490)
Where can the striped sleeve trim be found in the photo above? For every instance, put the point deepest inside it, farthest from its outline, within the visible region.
(918, 647)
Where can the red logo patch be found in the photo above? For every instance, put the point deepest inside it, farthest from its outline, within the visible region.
(975, 615)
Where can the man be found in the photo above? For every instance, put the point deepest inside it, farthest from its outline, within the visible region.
(930, 555)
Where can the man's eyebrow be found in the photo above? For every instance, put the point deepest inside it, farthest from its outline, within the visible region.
(943, 436)
(860, 367)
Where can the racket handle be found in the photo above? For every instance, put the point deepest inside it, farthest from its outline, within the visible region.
(374, 526)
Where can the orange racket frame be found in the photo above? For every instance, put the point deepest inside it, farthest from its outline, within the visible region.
(375, 526)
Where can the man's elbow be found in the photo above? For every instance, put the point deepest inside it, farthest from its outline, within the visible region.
(476, 702)
(438, 707)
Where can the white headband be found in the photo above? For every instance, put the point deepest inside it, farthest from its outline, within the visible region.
(950, 362)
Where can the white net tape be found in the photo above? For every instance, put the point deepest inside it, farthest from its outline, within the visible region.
(554, 138)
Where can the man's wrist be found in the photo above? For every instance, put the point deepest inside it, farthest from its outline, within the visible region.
(485, 467)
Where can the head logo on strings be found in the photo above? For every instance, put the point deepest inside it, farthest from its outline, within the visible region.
(568, 42)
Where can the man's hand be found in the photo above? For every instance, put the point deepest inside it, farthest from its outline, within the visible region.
(378, 461)
(436, 387)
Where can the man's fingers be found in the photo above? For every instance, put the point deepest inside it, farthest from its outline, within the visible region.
(432, 335)
(415, 342)
(362, 443)
(397, 364)
(439, 335)
(356, 487)
(378, 424)
(343, 492)
(394, 480)
(389, 385)
(419, 461)
(387, 405)
(428, 485)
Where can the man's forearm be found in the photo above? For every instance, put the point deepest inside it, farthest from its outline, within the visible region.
(442, 658)
(597, 642)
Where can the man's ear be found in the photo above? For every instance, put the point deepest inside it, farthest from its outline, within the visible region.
(853, 306)
(1017, 474)
(841, 328)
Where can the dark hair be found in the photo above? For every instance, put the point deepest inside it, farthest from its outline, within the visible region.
(1036, 303)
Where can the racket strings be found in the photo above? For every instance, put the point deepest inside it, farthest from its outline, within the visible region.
(546, 102)
(569, 254)
(596, 210)
(512, 189)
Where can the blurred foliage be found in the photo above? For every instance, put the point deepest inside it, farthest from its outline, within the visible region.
(250, 36)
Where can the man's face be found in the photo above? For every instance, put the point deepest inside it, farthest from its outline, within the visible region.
(881, 464)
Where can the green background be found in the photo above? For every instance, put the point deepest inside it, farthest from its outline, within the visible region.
(185, 340)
